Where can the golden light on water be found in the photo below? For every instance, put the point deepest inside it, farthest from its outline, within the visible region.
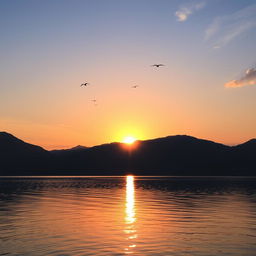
(130, 214)
(130, 208)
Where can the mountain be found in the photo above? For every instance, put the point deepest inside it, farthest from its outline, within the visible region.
(245, 154)
(248, 146)
(17, 156)
(10, 144)
(172, 155)
(74, 149)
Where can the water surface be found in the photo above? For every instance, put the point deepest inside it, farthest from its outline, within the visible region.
(128, 215)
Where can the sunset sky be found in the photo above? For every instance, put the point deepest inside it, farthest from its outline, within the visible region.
(206, 89)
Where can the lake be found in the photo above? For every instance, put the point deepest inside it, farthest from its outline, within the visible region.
(128, 216)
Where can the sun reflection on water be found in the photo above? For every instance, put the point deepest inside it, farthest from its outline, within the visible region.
(130, 215)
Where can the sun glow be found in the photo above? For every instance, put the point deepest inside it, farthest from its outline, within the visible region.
(129, 140)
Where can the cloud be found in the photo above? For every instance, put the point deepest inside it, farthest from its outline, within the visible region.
(249, 78)
(186, 10)
(224, 29)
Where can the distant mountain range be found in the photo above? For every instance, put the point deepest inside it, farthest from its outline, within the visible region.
(172, 155)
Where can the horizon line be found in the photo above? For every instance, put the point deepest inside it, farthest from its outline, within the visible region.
(118, 142)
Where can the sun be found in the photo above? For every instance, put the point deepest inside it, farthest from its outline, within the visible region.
(129, 140)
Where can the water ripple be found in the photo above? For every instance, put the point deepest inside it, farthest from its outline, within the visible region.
(128, 216)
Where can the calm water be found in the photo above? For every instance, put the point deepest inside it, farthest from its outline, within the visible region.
(126, 215)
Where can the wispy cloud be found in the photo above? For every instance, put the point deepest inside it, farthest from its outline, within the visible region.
(249, 78)
(226, 28)
(186, 10)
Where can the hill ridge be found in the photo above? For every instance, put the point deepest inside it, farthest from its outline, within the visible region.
(170, 155)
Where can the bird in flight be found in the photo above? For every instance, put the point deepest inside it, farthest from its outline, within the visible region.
(95, 102)
(157, 65)
(84, 84)
(135, 86)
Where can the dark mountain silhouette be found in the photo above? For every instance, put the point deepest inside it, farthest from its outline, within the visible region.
(78, 147)
(173, 155)
(245, 154)
(16, 154)
(61, 151)
(250, 145)
(10, 143)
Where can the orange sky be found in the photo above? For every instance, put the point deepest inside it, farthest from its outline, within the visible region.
(49, 49)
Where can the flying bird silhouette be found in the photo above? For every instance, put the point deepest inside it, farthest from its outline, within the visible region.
(135, 86)
(157, 65)
(95, 102)
(84, 84)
